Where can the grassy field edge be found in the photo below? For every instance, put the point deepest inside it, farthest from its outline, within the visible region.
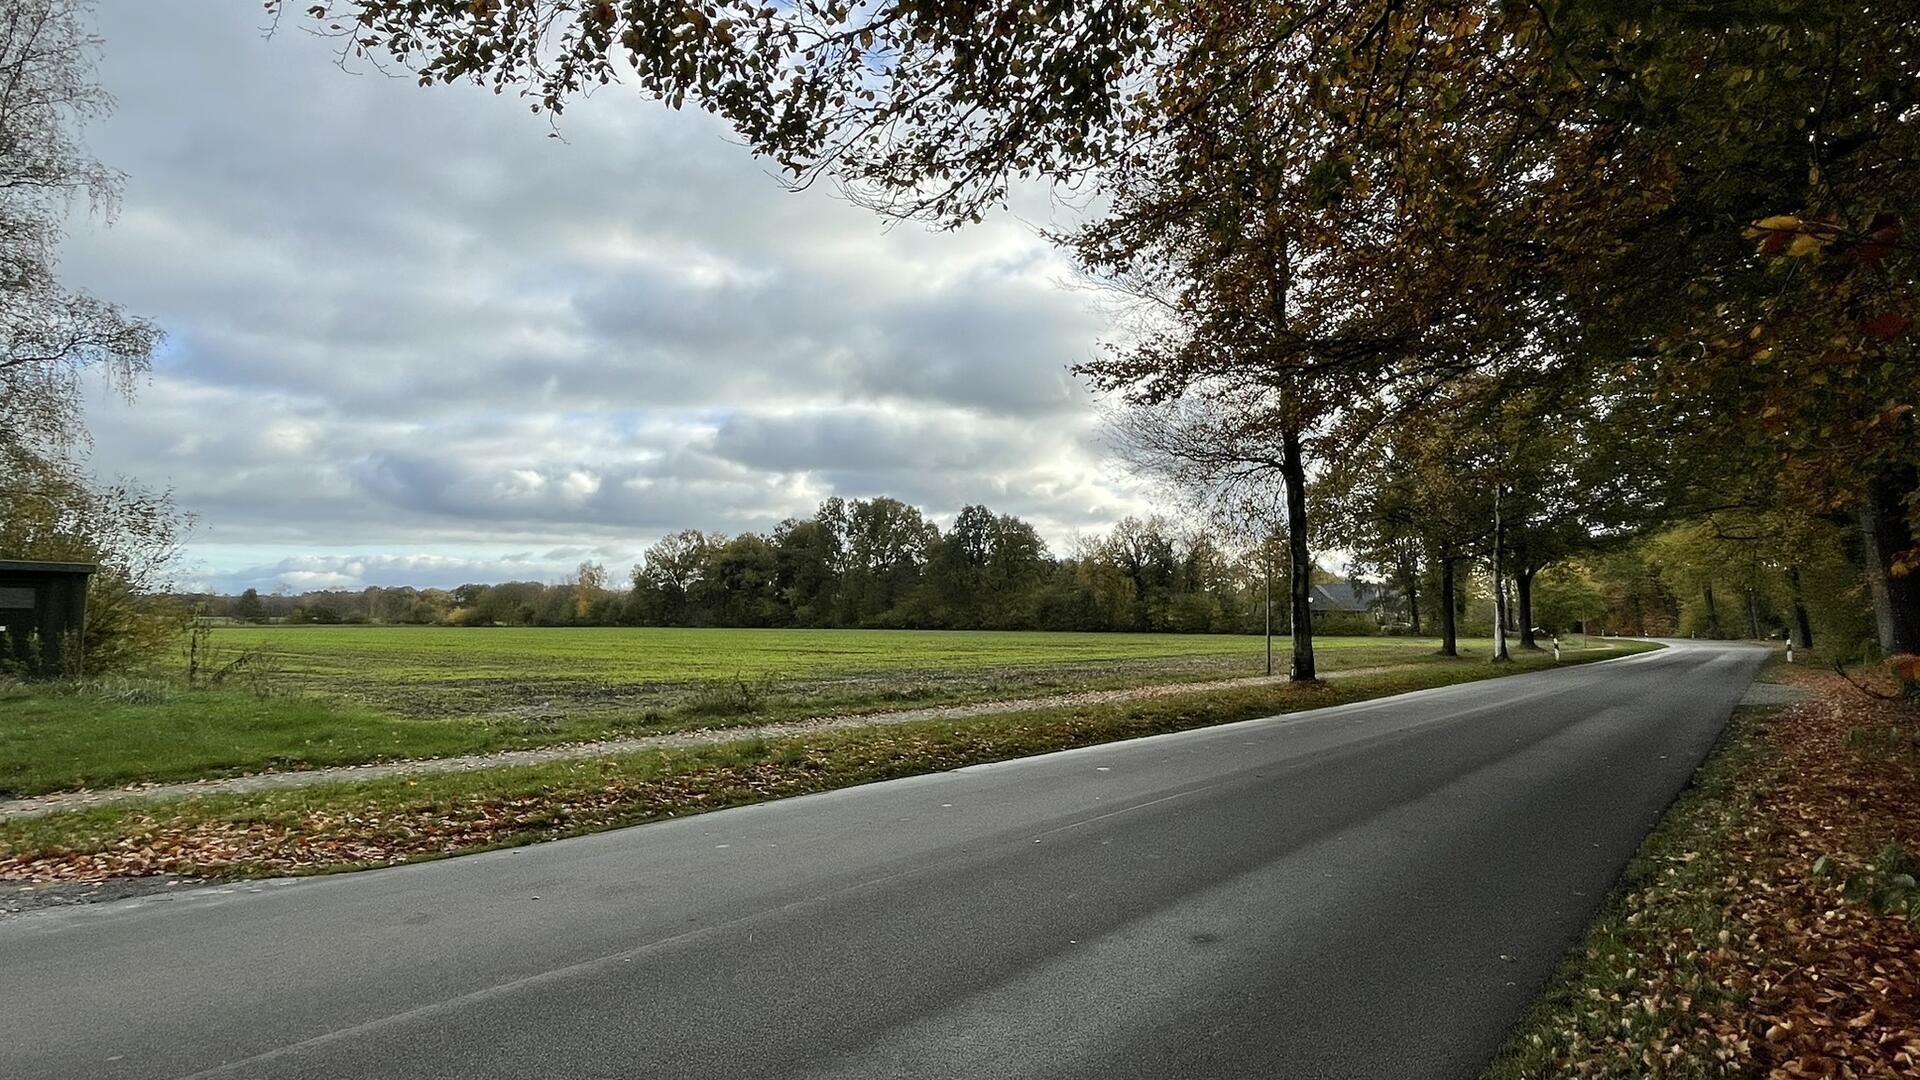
(333, 827)
(281, 713)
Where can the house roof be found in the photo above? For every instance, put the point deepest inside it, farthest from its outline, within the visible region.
(1346, 596)
(23, 566)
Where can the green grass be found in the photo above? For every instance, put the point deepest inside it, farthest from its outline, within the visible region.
(348, 826)
(628, 655)
(349, 695)
(89, 737)
(421, 659)
(645, 675)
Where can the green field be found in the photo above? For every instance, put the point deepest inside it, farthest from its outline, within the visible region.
(630, 656)
(652, 675)
(314, 696)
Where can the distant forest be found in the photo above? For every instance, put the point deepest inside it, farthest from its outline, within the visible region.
(869, 563)
(880, 563)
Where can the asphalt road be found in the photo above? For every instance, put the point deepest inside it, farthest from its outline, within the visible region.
(1375, 890)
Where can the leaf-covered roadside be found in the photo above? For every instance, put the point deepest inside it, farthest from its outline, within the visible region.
(1765, 929)
(350, 826)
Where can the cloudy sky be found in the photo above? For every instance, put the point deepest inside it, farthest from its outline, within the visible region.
(414, 339)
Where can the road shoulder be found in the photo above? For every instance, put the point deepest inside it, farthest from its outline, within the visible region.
(1764, 928)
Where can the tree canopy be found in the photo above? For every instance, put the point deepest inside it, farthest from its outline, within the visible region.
(1681, 228)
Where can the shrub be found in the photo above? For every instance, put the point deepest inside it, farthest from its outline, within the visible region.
(729, 697)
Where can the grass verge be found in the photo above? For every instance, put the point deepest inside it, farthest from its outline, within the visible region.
(1763, 927)
(377, 823)
(58, 737)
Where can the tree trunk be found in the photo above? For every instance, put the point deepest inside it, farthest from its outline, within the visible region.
(1523, 584)
(1896, 600)
(1753, 617)
(1499, 586)
(1293, 471)
(1413, 594)
(1266, 559)
(1802, 625)
(1449, 631)
(1713, 613)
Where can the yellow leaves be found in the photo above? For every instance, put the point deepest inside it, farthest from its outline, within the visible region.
(1792, 235)
(1805, 244)
(1774, 233)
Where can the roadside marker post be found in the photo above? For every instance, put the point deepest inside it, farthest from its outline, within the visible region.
(1556, 648)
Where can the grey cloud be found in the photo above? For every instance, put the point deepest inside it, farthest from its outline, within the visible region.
(302, 573)
(831, 440)
(408, 319)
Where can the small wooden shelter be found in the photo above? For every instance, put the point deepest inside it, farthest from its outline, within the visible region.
(43, 614)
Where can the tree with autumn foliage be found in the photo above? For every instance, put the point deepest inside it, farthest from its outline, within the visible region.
(1413, 494)
(1251, 286)
(1748, 235)
(1709, 203)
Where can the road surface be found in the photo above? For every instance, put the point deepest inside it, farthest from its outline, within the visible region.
(1366, 891)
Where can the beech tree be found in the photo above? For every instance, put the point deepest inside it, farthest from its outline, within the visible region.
(1254, 269)
(1741, 218)
(1422, 481)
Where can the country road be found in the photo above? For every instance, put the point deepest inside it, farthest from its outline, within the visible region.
(1373, 890)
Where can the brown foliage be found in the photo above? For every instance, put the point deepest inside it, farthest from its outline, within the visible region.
(1835, 985)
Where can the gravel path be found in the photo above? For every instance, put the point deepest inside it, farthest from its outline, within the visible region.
(1768, 693)
(33, 806)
